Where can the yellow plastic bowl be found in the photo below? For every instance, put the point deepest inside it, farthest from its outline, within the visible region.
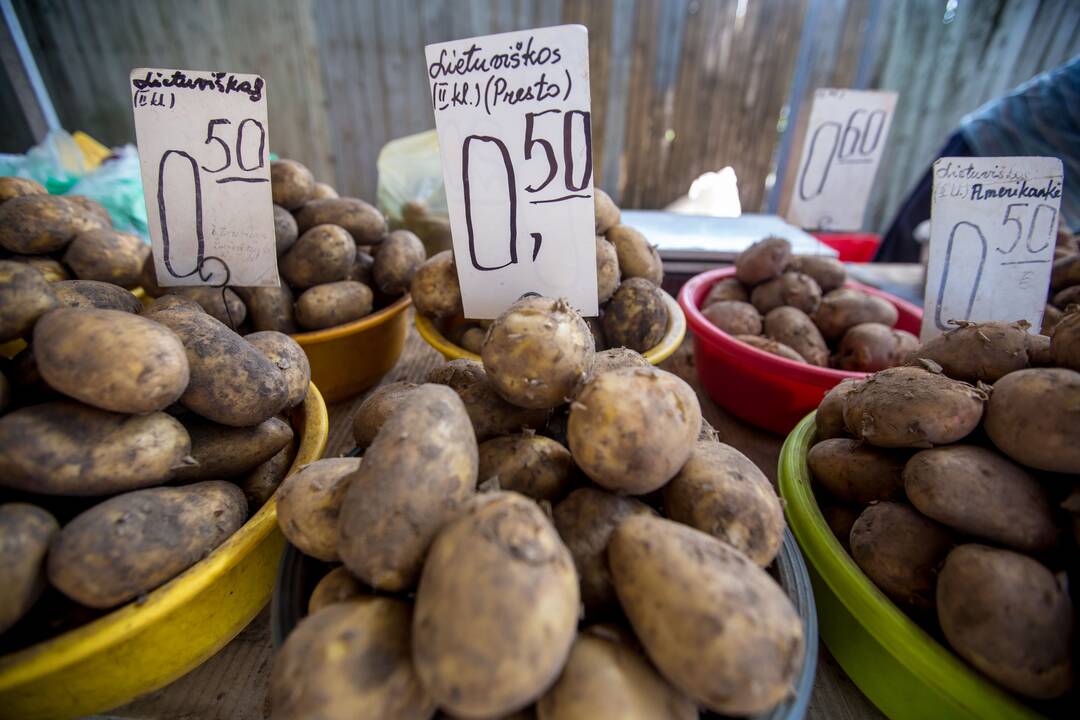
(348, 359)
(146, 645)
(668, 344)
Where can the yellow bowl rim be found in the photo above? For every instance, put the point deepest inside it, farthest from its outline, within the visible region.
(315, 337)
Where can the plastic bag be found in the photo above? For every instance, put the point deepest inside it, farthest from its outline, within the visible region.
(57, 163)
(411, 192)
(117, 184)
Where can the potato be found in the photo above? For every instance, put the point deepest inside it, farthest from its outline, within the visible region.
(37, 224)
(25, 533)
(973, 352)
(434, 289)
(5, 393)
(790, 288)
(290, 358)
(497, 608)
(721, 492)
(262, 481)
(165, 303)
(232, 382)
(1032, 418)
(336, 586)
(771, 346)
(53, 270)
(1065, 272)
(291, 183)
(333, 304)
(637, 258)
(309, 505)
(128, 545)
(13, 187)
(350, 661)
(1065, 342)
(533, 465)
(912, 407)
(490, 414)
(221, 452)
(323, 191)
(844, 308)
(734, 317)
(473, 340)
(223, 304)
(854, 472)
(827, 272)
(1038, 350)
(366, 224)
(1009, 617)
(762, 261)
(107, 255)
(1051, 317)
(396, 261)
(794, 328)
(363, 269)
(323, 254)
(714, 623)
(270, 308)
(869, 347)
(537, 351)
(840, 518)
(606, 678)
(377, 407)
(607, 213)
(616, 358)
(630, 430)
(95, 294)
(978, 492)
(285, 230)
(608, 274)
(900, 551)
(726, 289)
(92, 207)
(637, 316)
(829, 420)
(111, 359)
(1066, 297)
(148, 279)
(25, 296)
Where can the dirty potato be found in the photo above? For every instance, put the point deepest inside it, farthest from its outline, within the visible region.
(291, 184)
(827, 272)
(165, 303)
(607, 213)
(734, 317)
(53, 270)
(396, 261)
(323, 254)
(974, 352)
(333, 304)
(530, 464)
(790, 288)
(608, 274)
(25, 534)
(637, 258)
(223, 304)
(366, 224)
(290, 359)
(762, 261)
(37, 224)
(1032, 418)
(490, 414)
(309, 505)
(221, 452)
(1065, 342)
(377, 407)
(285, 231)
(637, 316)
(726, 289)
(794, 328)
(25, 296)
(869, 347)
(336, 586)
(262, 481)
(771, 346)
(95, 294)
(854, 472)
(13, 187)
(844, 308)
(829, 420)
(107, 255)
(270, 308)
(434, 289)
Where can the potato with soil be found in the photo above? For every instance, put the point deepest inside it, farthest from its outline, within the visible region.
(396, 261)
(637, 258)
(333, 304)
(111, 359)
(285, 230)
(13, 187)
(1065, 272)
(1008, 616)
(636, 316)
(631, 430)
(350, 661)
(323, 254)
(854, 472)
(490, 414)
(726, 289)
(1034, 417)
(290, 359)
(53, 270)
(94, 294)
(222, 304)
(323, 191)
(25, 533)
(900, 551)
(844, 308)
(377, 407)
(434, 289)
(167, 303)
(607, 212)
(38, 224)
(263, 480)
(608, 274)
(388, 521)
(721, 492)
(363, 269)
(473, 340)
(221, 452)
(771, 346)
(1069, 296)
(25, 296)
(1065, 342)
(794, 328)
(107, 255)
(497, 608)
(309, 505)
(366, 224)
(128, 545)
(686, 595)
(734, 317)
(616, 358)
(336, 586)
(762, 261)
(270, 308)
(827, 272)
(973, 352)
(829, 419)
(791, 288)
(530, 464)
(291, 184)
(869, 347)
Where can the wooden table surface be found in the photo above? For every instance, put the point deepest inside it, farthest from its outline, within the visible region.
(232, 685)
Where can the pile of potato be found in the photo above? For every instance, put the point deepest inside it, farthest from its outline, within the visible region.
(796, 307)
(629, 273)
(951, 480)
(549, 533)
(133, 440)
(1064, 280)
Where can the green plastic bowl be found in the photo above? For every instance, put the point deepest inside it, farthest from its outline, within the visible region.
(902, 669)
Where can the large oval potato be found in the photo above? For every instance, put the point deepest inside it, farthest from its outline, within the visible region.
(497, 608)
(636, 316)
(435, 290)
(107, 255)
(290, 358)
(396, 261)
(333, 304)
(387, 519)
(25, 296)
(323, 254)
(130, 544)
(291, 184)
(366, 224)
(530, 464)
(973, 352)
(490, 414)
(111, 359)
(845, 308)
(285, 231)
(637, 258)
(790, 288)
(827, 272)
(869, 347)
(608, 274)
(25, 534)
(1034, 417)
(37, 224)
(221, 452)
(856, 472)
(377, 407)
(67, 448)
(762, 261)
(270, 308)
(309, 505)
(794, 328)
(606, 211)
(829, 419)
(714, 623)
(95, 294)
(336, 586)
(13, 187)
(734, 317)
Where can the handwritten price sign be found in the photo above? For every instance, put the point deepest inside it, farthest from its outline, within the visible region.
(204, 152)
(514, 121)
(993, 226)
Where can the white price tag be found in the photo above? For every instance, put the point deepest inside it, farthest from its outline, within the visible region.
(844, 141)
(993, 226)
(514, 122)
(205, 157)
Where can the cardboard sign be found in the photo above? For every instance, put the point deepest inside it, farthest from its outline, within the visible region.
(845, 139)
(993, 227)
(205, 157)
(514, 121)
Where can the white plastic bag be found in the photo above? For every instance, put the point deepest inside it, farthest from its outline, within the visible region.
(411, 192)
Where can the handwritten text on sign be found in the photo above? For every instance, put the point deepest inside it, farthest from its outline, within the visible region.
(845, 139)
(205, 157)
(514, 123)
(993, 226)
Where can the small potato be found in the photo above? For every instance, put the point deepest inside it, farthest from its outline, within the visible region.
(829, 420)
(128, 545)
(323, 191)
(291, 183)
(762, 261)
(714, 623)
(107, 255)
(844, 308)
(1032, 417)
(637, 316)
(363, 269)
(37, 224)
(974, 352)
(323, 254)
(25, 296)
(270, 308)
(221, 452)
(721, 492)
(827, 272)
(260, 484)
(734, 317)
(377, 407)
(1008, 616)
(637, 258)
(95, 294)
(473, 340)
(533, 465)
(771, 346)
(285, 231)
(794, 328)
(869, 347)
(53, 270)
(13, 187)
(490, 414)
(1038, 350)
(337, 586)
(25, 533)
(1065, 342)
(855, 472)
(309, 505)
(607, 213)
(790, 288)
(333, 304)
(608, 274)
(1065, 272)
(434, 289)
(165, 303)
(499, 553)
(366, 224)
(900, 551)
(630, 430)
(1051, 317)
(290, 358)
(222, 304)
(978, 492)
(396, 261)
(726, 289)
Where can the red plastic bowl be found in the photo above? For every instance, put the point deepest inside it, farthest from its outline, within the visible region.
(759, 387)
